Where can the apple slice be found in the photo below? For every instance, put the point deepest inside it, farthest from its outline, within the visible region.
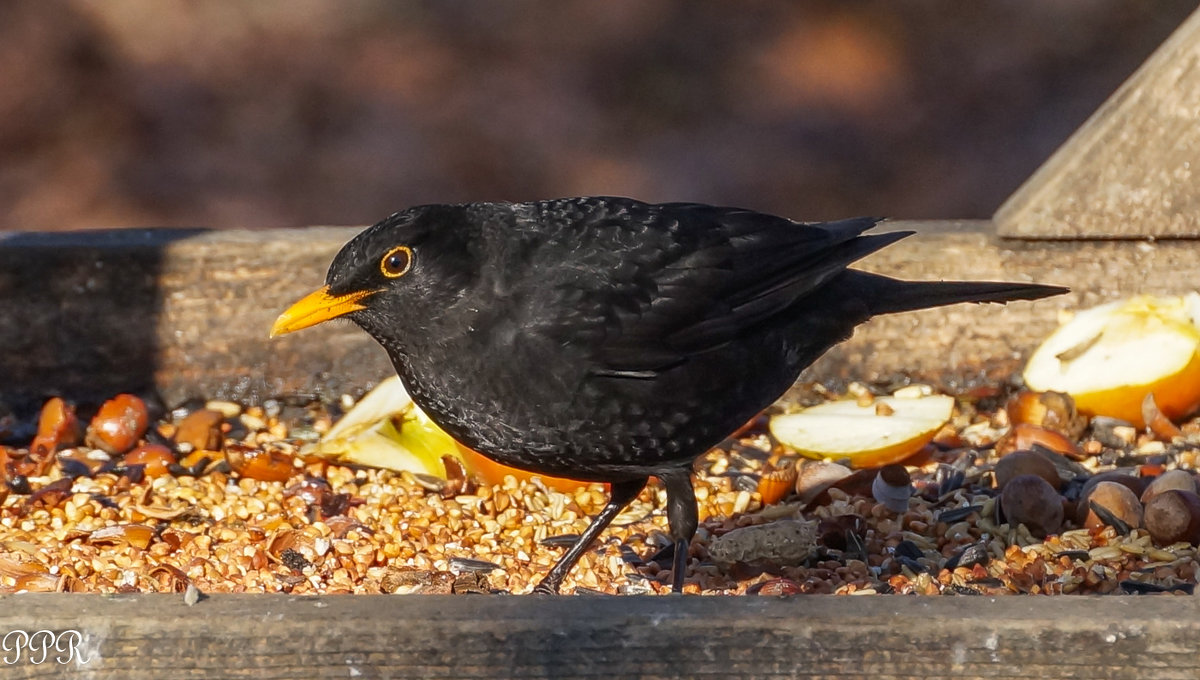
(385, 429)
(888, 430)
(490, 472)
(1110, 357)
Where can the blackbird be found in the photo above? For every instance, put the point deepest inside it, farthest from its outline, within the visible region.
(606, 339)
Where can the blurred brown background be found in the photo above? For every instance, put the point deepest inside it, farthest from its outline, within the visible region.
(295, 112)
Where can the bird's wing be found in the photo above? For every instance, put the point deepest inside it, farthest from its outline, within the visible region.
(649, 285)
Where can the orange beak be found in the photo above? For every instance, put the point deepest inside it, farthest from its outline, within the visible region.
(316, 307)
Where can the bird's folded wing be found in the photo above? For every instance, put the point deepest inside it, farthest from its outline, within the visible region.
(708, 276)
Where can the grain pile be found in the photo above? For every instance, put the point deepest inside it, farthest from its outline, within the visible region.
(219, 497)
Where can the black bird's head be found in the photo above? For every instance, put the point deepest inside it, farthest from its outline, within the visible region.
(398, 271)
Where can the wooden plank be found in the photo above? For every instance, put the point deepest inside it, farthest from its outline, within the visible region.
(419, 636)
(1130, 170)
(187, 312)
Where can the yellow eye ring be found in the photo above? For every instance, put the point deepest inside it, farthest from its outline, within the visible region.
(396, 262)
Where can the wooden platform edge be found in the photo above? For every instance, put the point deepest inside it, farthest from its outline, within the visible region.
(186, 313)
(894, 637)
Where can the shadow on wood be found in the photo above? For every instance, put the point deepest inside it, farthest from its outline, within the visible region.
(78, 312)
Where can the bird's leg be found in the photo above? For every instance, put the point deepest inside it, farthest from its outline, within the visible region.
(622, 494)
(683, 518)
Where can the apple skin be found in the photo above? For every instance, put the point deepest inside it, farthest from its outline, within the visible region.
(859, 448)
(1111, 357)
(1177, 396)
(492, 473)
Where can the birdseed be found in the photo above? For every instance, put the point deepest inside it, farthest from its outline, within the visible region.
(328, 528)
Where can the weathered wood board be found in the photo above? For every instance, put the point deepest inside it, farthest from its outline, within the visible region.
(431, 636)
(1130, 171)
(187, 313)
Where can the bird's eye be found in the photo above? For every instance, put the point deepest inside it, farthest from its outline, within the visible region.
(397, 262)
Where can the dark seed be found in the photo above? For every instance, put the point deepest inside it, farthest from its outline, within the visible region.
(105, 501)
(973, 554)
(949, 479)
(466, 565)
(1119, 525)
(337, 504)
(560, 541)
(153, 436)
(665, 555)
(742, 455)
(19, 484)
(745, 482)
(135, 473)
(73, 468)
(907, 548)
(628, 556)
(1140, 588)
(957, 514)
(108, 466)
(200, 466)
(1074, 554)
(1103, 431)
(237, 431)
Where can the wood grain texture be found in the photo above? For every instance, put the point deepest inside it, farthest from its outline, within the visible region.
(187, 313)
(1130, 171)
(885, 637)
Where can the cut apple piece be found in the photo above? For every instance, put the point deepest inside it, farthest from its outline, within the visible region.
(869, 435)
(385, 429)
(492, 473)
(1110, 357)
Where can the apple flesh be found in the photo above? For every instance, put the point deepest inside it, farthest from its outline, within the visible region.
(868, 435)
(1110, 357)
(385, 429)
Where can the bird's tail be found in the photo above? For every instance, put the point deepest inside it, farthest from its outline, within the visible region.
(887, 295)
